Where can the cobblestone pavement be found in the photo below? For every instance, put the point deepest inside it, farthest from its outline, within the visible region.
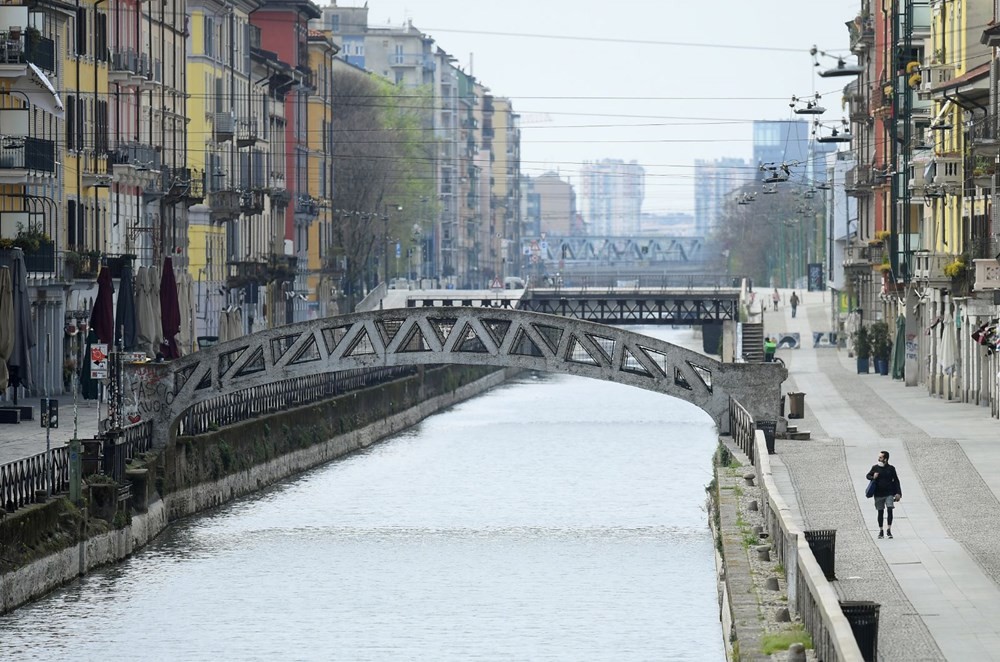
(937, 581)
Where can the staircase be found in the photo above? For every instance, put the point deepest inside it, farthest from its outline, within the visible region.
(753, 342)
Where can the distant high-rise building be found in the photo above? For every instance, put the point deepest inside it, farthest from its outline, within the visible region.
(780, 141)
(611, 197)
(550, 206)
(713, 181)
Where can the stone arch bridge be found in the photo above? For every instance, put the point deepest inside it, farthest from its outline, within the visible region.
(161, 392)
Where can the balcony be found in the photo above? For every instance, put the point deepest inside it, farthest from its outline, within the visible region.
(275, 268)
(186, 184)
(18, 156)
(18, 48)
(252, 202)
(224, 205)
(982, 138)
(123, 66)
(858, 181)
(987, 274)
(862, 30)
(247, 132)
(135, 155)
(306, 209)
(929, 267)
(223, 127)
(856, 258)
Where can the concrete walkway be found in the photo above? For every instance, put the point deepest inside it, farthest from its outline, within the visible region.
(27, 438)
(938, 581)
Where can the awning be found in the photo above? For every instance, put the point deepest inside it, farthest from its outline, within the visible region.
(37, 87)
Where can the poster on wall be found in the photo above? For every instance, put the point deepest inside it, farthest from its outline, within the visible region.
(815, 271)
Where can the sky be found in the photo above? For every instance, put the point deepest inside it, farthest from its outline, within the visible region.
(661, 82)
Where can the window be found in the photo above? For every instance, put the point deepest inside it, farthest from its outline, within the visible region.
(71, 236)
(81, 31)
(334, 22)
(101, 37)
(209, 36)
(71, 123)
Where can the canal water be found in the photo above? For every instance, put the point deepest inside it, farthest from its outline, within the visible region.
(554, 518)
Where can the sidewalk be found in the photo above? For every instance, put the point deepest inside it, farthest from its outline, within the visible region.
(27, 438)
(938, 581)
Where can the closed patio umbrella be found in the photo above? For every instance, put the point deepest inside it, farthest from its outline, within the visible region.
(223, 331)
(899, 349)
(6, 323)
(125, 314)
(154, 294)
(186, 303)
(170, 310)
(948, 348)
(144, 313)
(102, 317)
(19, 363)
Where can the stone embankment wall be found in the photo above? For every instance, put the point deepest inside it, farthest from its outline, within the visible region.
(209, 470)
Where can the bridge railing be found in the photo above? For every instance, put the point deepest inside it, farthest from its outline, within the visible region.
(120, 447)
(22, 480)
(266, 399)
(627, 281)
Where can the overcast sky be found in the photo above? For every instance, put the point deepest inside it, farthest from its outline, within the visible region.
(574, 69)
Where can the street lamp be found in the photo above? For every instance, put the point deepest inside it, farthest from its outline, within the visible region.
(385, 218)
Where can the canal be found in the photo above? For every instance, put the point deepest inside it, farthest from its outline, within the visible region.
(553, 518)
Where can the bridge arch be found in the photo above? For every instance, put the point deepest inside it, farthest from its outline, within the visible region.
(162, 392)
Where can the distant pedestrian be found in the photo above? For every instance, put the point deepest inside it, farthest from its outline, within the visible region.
(887, 491)
(770, 347)
(793, 301)
(775, 298)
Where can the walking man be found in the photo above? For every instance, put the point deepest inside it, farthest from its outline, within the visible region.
(793, 301)
(775, 298)
(887, 491)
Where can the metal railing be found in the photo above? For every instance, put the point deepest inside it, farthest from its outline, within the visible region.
(121, 446)
(742, 428)
(280, 396)
(22, 480)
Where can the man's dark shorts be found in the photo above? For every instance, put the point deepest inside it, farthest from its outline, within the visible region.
(881, 503)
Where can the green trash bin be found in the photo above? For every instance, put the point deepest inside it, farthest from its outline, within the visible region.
(796, 405)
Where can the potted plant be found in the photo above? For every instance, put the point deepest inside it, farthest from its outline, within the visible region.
(881, 346)
(862, 348)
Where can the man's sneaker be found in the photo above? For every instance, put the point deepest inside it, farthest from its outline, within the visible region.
(888, 534)
(881, 535)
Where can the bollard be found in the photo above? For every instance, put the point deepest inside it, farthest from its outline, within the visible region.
(752, 506)
(749, 478)
(782, 615)
(764, 553)
(796, 653)
(771, 584)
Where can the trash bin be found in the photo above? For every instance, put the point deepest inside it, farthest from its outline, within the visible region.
(796, 405)
(768, 428)
(863, 617)
(204, 342)
(823, 543)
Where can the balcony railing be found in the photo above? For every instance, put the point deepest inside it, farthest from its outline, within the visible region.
(252, 202)
(246, 131)
(930, 266)
(306, 206)
(982, 137)
(224, 204)
(137, 155)
(223, 127)
(18, 47)
(125, 62)
(28, 154)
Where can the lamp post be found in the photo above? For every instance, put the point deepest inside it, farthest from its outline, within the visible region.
(385, 255)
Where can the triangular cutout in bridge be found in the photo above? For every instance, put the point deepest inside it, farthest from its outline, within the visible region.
(253, 365)
(229, 359)
(525, 346)
(333, 336)
(633, 365)
(550, 334)
(578, 353)
(280, 346)
(497, 329)
(308, 353)
(388, 329)
(681, 380)
(415, 341)
(469, 341)
(703, 373)
(606, 345)
(442, 327)
(206, 382)
(659, 359)
(362, 345)
(182, 377)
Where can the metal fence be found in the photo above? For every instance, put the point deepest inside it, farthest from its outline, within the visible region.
(120, 447)
(21, 480)
(280, 396)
